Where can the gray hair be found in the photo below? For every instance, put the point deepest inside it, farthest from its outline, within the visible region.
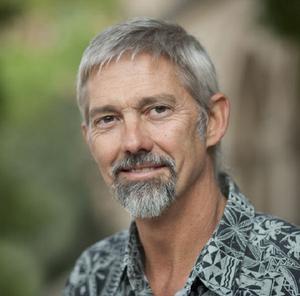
(157, 38)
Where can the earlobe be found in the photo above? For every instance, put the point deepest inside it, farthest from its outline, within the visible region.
(218, 119)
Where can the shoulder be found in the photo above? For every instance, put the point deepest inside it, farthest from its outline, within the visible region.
(98, 264)
(272, 258)
(104, 252)
(274, 233)
(109, 247)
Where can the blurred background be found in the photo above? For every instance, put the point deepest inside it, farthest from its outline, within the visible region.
(53, 203)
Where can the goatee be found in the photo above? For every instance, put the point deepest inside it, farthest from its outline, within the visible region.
(145, 198)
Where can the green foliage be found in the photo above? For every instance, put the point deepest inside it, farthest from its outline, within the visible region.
(10, 9)
(284, 17)
(19, 273)
(43, 162)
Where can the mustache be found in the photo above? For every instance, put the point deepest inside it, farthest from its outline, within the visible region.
(143, 158)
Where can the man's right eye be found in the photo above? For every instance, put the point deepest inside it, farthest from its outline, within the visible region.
(105, 121)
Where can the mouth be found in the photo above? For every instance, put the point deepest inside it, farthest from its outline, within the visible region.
(142, 171)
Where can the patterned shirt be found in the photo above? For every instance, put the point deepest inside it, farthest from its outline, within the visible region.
(248, 254)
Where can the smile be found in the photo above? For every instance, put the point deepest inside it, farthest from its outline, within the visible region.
(142, 172)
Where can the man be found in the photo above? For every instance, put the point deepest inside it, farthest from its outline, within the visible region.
(153, 120)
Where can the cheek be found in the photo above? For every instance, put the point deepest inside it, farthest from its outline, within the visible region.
(176, 134)
(165, 137)
(171, 141)
(184, 145)
(104, 152)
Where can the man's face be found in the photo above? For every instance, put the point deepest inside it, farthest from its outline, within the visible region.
(143, 133)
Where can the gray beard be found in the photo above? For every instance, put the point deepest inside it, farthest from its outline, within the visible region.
(145, 199)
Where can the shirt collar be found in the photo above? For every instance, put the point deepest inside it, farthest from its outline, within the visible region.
(219, 261)
(134, 262)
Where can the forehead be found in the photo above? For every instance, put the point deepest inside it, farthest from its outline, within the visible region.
(132, 79)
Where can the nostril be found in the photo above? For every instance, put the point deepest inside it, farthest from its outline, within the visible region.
(133, 146)
(136, 137)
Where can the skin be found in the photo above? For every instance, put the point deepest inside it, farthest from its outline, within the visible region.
(139, 105)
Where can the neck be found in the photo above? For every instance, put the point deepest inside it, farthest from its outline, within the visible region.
(173, 241)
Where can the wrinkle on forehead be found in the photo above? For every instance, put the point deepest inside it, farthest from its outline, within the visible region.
(144, 65)
(138, 105)
(151, 63)
(153, 70)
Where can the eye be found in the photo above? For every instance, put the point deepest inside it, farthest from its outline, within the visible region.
(159, 111)
(105, 121)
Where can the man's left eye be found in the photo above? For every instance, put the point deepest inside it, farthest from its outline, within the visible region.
(159, 111)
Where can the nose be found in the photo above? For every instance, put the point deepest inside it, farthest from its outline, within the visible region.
(136, 137)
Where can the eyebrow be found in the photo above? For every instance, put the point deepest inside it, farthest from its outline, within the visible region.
(103, 109)
(155, 99)
(145, 101)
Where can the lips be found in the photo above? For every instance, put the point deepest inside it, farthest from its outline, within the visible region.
(141, 172)
(143, 165)
(142, 168)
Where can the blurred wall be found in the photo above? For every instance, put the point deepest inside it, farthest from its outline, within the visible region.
(259, 72)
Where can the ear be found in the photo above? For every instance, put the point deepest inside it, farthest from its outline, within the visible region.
(218, 119)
